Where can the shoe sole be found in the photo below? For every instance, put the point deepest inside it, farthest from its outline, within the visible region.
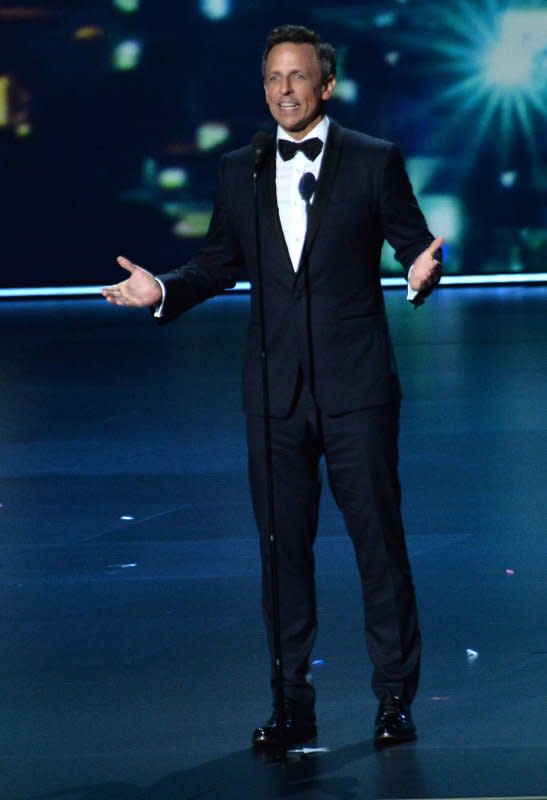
(387, 739)
(265, 743)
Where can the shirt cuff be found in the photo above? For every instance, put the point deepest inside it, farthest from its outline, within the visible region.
(411, 294)
(158, 312)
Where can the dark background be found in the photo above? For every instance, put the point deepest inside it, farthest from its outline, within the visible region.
(100, 157)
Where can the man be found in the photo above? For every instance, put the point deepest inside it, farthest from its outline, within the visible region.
(333, 386)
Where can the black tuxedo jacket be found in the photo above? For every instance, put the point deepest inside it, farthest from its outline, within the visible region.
(362, 197)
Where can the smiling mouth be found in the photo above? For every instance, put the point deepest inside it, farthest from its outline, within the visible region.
(288, 106)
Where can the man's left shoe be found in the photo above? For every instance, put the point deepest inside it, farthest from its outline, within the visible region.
(298, 727)
(393, 722)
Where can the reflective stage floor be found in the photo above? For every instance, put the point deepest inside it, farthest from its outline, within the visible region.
(133, 662)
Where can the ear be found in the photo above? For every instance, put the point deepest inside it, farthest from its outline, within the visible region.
(328, 88)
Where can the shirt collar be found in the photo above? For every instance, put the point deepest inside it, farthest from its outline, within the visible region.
(319, 132)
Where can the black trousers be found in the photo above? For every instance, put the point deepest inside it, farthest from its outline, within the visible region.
(361, 455)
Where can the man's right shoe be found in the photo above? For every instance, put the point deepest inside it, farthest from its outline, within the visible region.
(393, 723)
(299, 727)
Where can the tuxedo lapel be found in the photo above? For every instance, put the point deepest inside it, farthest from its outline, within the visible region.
(272, 232)
(273, 237)
(329, 168)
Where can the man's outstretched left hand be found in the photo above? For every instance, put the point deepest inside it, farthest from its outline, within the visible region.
(426, 270)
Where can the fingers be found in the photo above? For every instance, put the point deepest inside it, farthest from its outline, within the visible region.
(435, 245)
(434, 269)
(434, 275)
(119, 293)
(113, 295)
(139, 290)
(125, 263)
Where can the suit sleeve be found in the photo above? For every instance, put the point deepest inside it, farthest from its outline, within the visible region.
(403, 222)
(215, 267)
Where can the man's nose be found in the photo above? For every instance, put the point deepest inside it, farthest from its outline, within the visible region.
(286, 86)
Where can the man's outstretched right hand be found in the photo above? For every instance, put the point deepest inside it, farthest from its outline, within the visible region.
(140, 290)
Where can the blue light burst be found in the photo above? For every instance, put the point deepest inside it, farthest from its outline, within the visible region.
(495, 59)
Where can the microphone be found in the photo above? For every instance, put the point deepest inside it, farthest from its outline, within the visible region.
(261, 144)
(306, 186)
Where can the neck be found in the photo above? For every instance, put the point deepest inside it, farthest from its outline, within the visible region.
(299, 135)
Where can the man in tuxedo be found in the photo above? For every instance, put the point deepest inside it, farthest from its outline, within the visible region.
(333, 386)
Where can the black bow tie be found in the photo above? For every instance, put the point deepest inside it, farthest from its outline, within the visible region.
(310, 147)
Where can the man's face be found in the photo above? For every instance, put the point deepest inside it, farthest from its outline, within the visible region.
(293, 87)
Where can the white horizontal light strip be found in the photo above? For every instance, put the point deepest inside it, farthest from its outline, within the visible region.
(528, 797)
(488, 280)
(52, 291)
(244, 286)
(479, 280)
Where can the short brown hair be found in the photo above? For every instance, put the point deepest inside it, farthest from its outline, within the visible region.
(298, 34)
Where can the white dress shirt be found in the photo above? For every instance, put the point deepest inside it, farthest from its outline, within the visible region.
(291, 206)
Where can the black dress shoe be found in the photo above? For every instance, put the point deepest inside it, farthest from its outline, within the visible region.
(393, 722)
(299, 727)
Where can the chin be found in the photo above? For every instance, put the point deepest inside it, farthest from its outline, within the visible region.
(290, 126)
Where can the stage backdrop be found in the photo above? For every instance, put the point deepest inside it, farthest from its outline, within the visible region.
(113, 115)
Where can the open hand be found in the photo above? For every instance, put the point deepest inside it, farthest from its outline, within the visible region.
(426, 270)
(140, 290)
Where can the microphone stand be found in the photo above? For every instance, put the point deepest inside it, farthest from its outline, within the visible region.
(260, 149)
(306, 188)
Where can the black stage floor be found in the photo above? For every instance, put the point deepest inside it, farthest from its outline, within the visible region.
(133, 661)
